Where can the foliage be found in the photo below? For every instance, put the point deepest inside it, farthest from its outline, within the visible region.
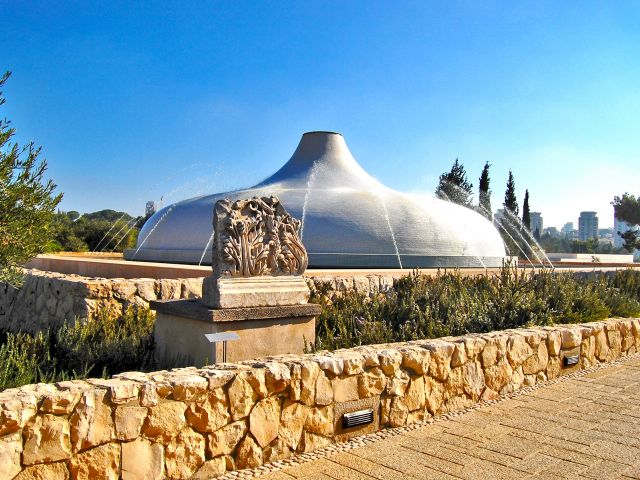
(451, 304)
(627, 209)
(27, 201)
(102, 346)
(484, 194)
(510, 201)
(454, 187)
(526, 213)
(104, 230)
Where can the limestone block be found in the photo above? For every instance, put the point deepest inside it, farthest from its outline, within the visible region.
(226, 439)
(46, 439)
(519, 350)
(276, 450)
(615, 343)
(47, 471)
(459, 356)
(498, 375)
(553, 367)
(416, 359)
(333, 365)
(310, 371)
(142, 460)
(120, 390)
(146, 289)
(517, 379)
(533, 337)
(554, 342)
(415, 397)
(188, 386)
(99, 463)
(324, 390)
(371, 383)
(91, 421)
(211, 469)
(454, 385)
(390, 361)
(258, 381)
(164, 421)
(242, 398)
(210, 413)
(397, 385)
(184, 454)
(530, 380)
(292, 421)
(16, 409)
(398, 412)
(474, 346)
(488, 395)
(538, 361)
(320, 420)
(435, 394)
(353, 362)
(627, 343)
(457, 403)
(249, 454)
(601, 348)
(261, 291)
(571, 337)
(60, 402)
(313, 442)
(264, 421)
(473, 379)
(635, 328)
(217, 378)
(296, 382)
(441, 353)
(277, 377)
(129, 420)
(345, 389)
(490, 355)
(10, 450)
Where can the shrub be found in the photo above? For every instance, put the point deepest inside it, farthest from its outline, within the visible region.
(451, 304)
(101, 346)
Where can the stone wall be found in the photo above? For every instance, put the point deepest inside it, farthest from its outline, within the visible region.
(200, 423)
(48, 299)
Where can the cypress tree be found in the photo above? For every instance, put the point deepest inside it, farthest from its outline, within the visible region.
(484, 194)
(454, 187)
(526, 214)
(510, 201)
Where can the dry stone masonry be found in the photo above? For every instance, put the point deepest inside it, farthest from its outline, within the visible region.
(49, 299)
(200, 423)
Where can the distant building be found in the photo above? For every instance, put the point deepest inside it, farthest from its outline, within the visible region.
(536, 225)
(567, 230)
(587, 226)
(552, 232)
(619, 227)
(150, 208)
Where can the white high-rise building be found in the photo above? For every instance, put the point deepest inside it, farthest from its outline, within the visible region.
(587, 226)
(567, 230)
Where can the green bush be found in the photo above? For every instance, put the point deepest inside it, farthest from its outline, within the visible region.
(100, 346)
(451, 304)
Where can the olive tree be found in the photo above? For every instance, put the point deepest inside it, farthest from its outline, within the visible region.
(27, 201)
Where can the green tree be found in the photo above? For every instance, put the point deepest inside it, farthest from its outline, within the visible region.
(27, 201)
(627, 209)
(526, 213)
(484, 194)
(454, 187)
(510, 201)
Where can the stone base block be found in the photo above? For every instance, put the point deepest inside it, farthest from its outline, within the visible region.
(181, 325)
(239, 292)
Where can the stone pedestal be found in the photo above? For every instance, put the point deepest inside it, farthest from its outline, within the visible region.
(181, 325)
(264, 291)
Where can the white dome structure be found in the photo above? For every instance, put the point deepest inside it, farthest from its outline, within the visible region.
(349, 219)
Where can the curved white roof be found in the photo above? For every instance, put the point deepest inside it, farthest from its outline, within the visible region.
(349, 218)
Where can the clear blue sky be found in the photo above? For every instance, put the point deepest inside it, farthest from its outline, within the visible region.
(131, 103)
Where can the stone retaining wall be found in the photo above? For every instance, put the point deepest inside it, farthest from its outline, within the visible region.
(199, 423)
(48, 299)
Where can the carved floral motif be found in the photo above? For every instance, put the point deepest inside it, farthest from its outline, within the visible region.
(257, 237)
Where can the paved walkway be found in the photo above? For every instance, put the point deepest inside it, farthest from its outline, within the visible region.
(584, 427)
